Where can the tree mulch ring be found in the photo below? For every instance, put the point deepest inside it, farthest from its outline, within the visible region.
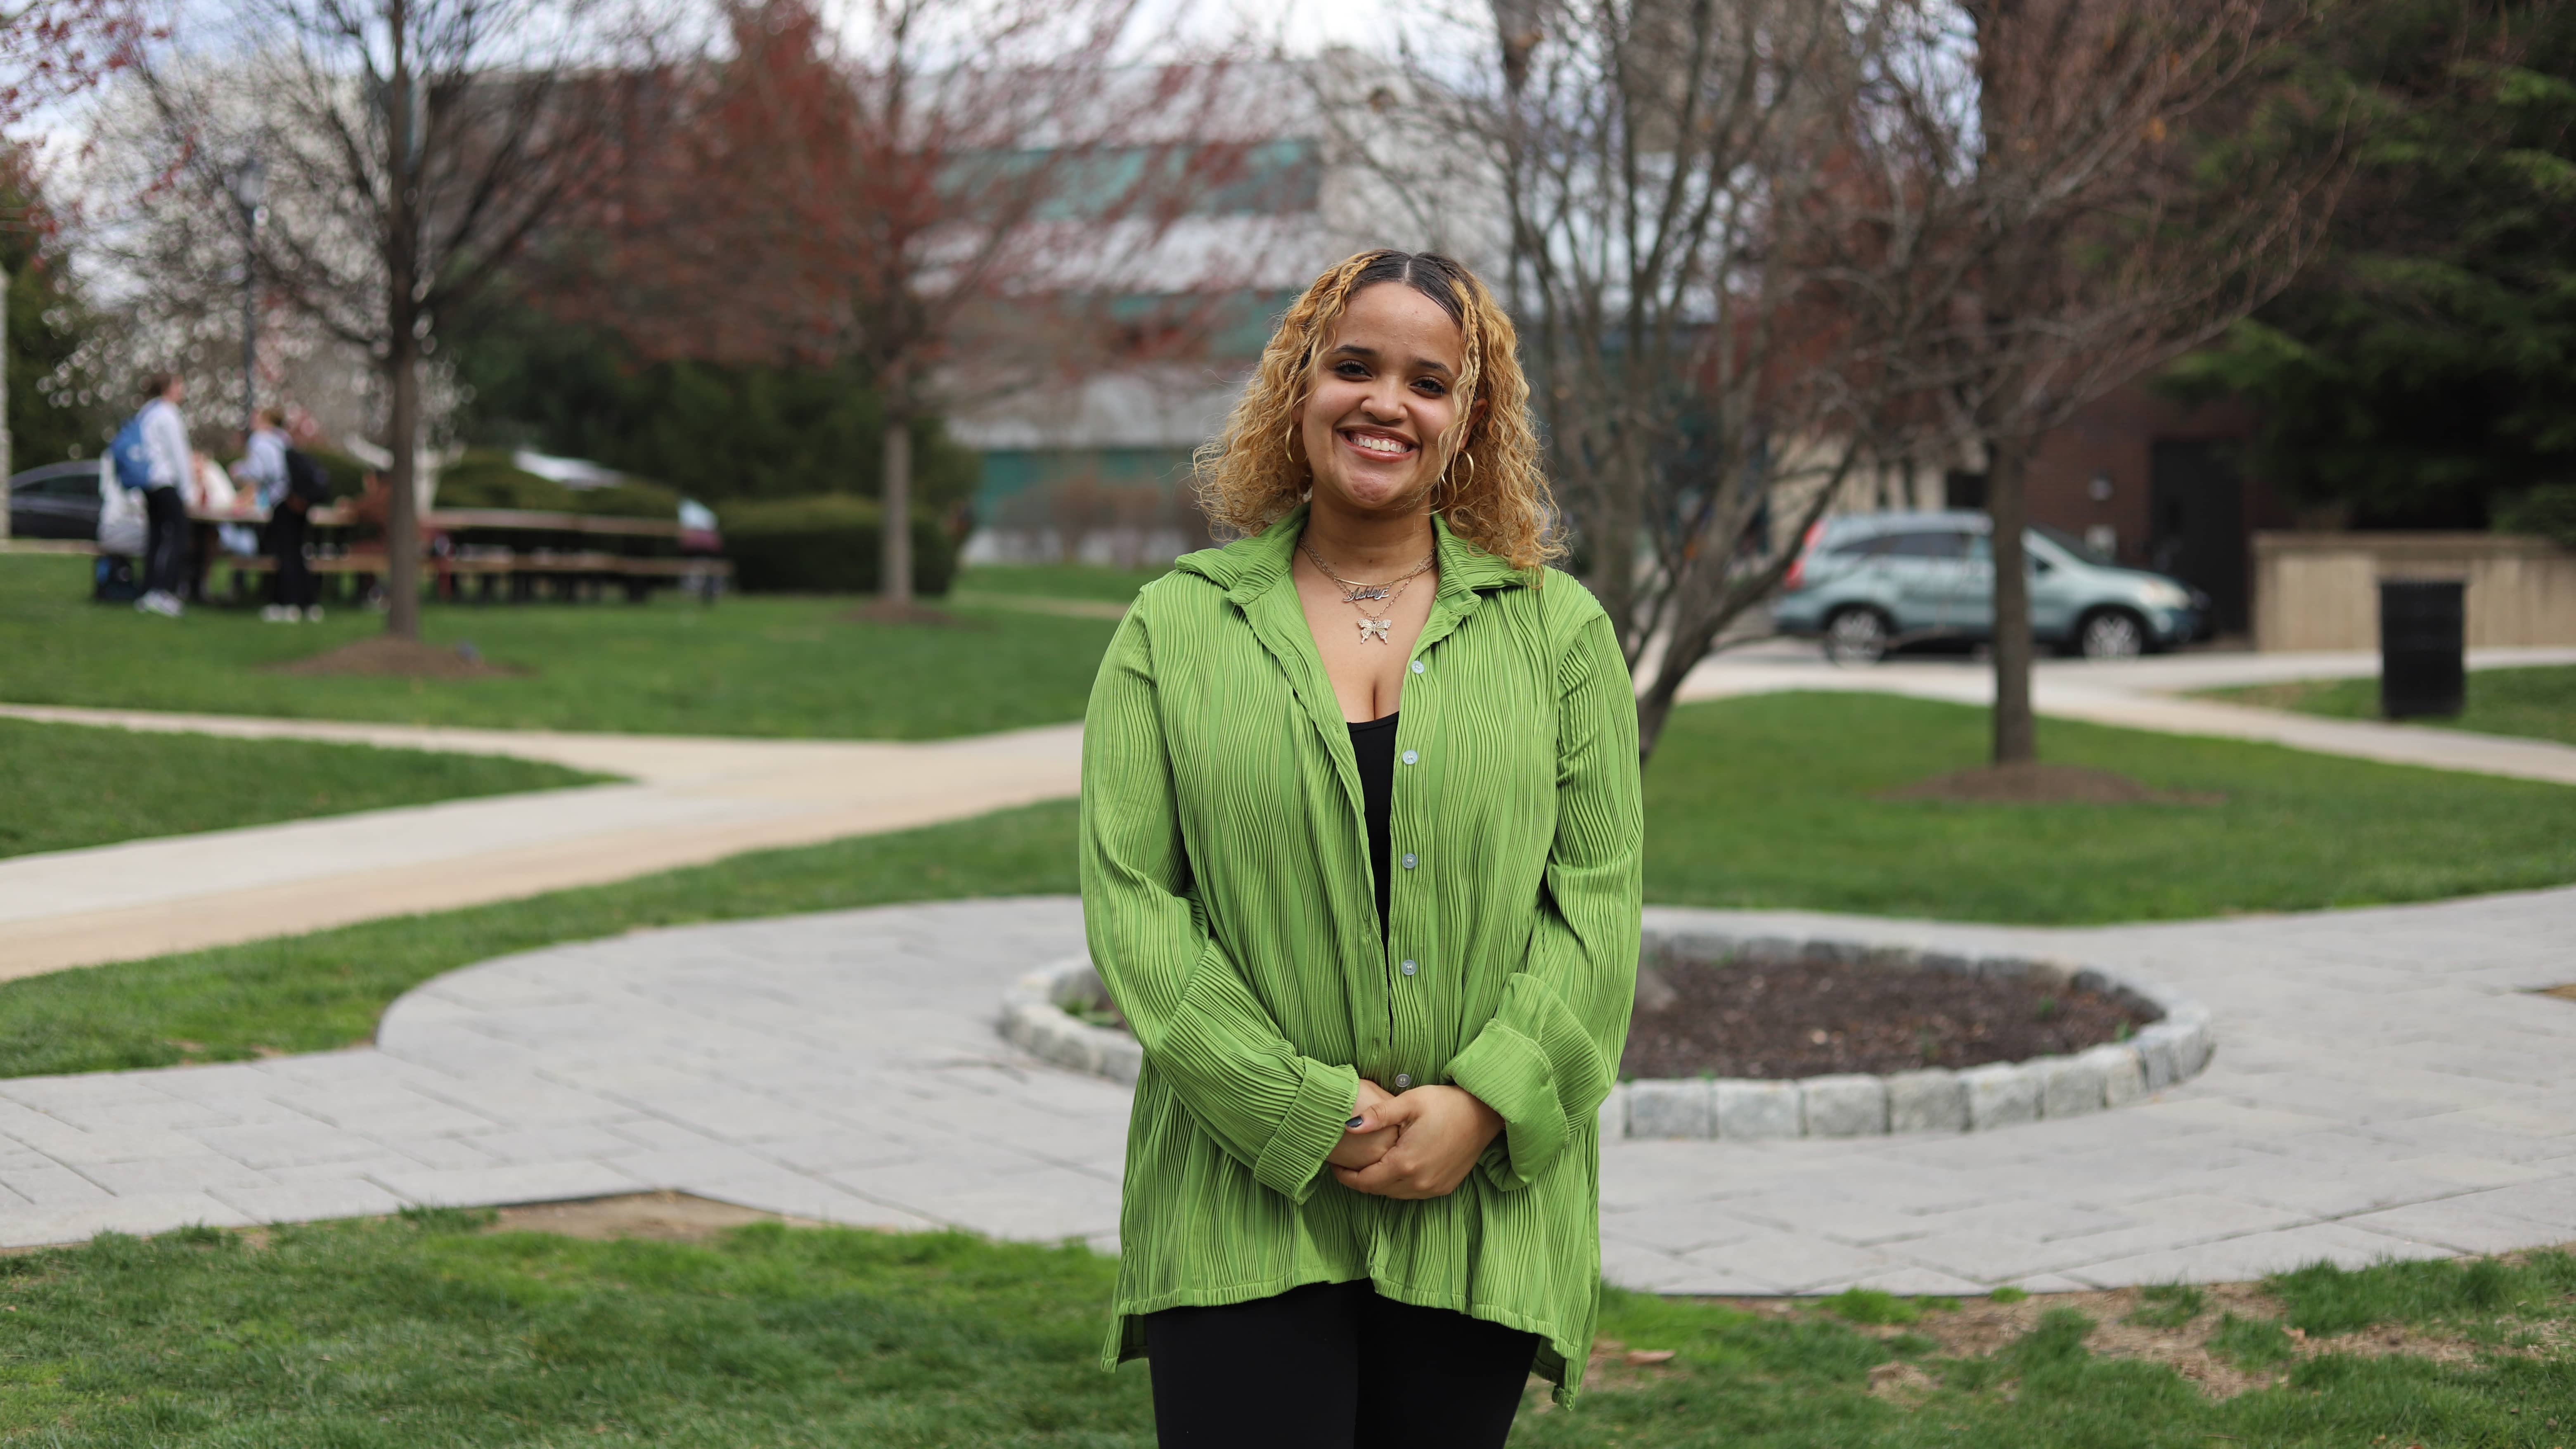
(1781, 1020)
(383, 654)
(2030, 782)
(922, 615)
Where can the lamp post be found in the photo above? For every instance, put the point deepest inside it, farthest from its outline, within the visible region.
(247, 180)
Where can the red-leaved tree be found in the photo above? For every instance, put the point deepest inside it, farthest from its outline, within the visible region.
(946, 199)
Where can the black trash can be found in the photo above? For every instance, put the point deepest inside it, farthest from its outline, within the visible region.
(2423, 629)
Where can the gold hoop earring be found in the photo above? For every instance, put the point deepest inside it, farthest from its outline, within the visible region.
(1288, 445)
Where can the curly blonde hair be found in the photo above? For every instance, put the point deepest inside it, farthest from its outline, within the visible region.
(1490, 487)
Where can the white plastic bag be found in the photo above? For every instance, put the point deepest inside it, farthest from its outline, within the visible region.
(122, 527)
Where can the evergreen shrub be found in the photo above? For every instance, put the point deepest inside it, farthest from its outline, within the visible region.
(828, 543)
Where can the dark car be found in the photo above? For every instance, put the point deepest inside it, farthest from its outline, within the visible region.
(58, 500)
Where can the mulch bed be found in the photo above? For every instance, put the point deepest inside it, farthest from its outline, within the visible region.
(2035, 783)
(383, 654)
(1783, 1020)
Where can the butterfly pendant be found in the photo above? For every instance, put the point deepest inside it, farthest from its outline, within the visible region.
(1374, 629)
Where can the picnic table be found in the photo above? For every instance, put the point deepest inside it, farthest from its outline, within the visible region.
(484, 555)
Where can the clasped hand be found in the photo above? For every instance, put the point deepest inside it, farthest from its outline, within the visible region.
(1418, 1145)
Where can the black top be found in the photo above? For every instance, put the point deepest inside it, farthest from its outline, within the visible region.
(1373, 746)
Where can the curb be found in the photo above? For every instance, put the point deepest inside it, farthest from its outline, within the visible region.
(2174, 1048)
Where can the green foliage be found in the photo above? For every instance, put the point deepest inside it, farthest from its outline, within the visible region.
(63, 786)
(325, 989)
(2547, 511)
(1778, 802)
(1871, 1305)
(2168, 1305)
(2419, 370)
(57, 410)
(716, 433)
(747, 666)
(2007, 1295)
(2324, 1299)
(2539, 703)
(827, 544)
(485, 479)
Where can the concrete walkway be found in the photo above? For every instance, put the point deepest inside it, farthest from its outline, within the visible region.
(687, 801)
(2385, 1086)
(2146, 694)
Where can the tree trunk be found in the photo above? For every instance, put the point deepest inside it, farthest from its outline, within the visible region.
(402, 511)
(2007, 470)
(402, 342)
(5, 442)
(895, 579)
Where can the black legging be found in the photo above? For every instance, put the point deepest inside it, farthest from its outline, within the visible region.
(165, 550)
(293, 583)
(1333, 1366)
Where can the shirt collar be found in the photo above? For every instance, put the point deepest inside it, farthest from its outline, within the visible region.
(1248, 567)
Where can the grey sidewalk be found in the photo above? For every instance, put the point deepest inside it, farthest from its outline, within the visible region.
(687, 801)
(2384, 1086)
(2147, 694)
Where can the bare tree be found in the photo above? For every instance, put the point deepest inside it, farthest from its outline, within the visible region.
(2082, 194)
(946, 198)
(1674, 182)
(412, 148)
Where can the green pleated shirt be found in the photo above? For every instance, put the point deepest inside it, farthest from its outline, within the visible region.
(1231, 911)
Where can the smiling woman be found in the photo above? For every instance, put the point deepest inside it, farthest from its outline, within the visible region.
(1378, 965)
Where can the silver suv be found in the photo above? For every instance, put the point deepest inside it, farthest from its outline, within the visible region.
(1869, 582)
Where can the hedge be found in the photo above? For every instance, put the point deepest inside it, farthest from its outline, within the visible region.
(830, 543)
(490, 480)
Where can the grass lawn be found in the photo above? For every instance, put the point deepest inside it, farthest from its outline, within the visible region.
(424, 1330)
(1057, 581)
(63, 786)
(1771, 801)
(1762, 802)
(752, 665)
(2539, 702)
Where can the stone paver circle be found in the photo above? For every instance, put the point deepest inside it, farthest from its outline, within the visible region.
(2177, 1044)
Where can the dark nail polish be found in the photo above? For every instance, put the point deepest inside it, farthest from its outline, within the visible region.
(1355, 1121)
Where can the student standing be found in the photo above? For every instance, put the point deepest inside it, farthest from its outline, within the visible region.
(270, 464)
(1380, 960)
(171, 464)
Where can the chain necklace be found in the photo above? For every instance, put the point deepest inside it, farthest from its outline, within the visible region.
(1359, 595)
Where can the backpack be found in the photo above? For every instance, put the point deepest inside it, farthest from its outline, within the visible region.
(305, 478)
(133, 461)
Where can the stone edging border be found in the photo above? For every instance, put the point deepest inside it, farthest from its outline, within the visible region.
(1034, 1019)
(2175, 1047)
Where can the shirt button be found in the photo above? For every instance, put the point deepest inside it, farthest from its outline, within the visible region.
(1408, 860)
(1407, 968)
(1402, 1080)
(1411, 758)
(1417, 666)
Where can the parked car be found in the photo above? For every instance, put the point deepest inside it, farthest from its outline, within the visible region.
(1868, 583)
(58, 500)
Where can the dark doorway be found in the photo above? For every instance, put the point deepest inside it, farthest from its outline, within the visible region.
(1962, 489)
(2196, 528)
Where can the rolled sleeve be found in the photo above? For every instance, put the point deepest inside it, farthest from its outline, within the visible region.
(1201, 1028)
